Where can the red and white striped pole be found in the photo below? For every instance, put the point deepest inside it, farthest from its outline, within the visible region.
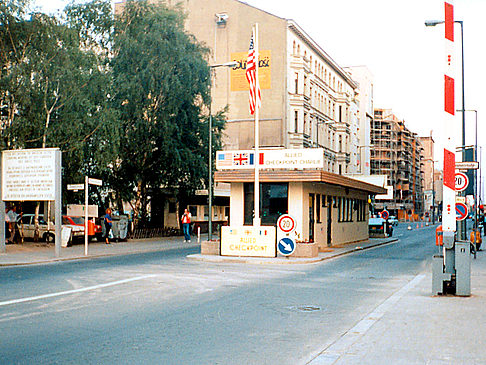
(449, 189)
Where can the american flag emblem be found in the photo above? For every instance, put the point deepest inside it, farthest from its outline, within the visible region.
(224, 159)
(240, 159)
(251, 70)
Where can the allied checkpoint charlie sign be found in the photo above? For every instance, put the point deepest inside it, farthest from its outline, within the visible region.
(308, 158)
(32, 175)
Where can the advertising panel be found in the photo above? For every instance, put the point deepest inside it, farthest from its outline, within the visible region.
(238, 73)
(248, 241)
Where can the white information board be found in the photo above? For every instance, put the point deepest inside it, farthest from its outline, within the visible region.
(29, 175)
(248, 241)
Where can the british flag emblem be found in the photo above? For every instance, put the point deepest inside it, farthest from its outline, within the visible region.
(240, 159)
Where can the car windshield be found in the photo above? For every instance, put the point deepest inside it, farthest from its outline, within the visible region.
(77, 220)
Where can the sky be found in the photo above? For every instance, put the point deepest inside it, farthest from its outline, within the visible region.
(405, 57)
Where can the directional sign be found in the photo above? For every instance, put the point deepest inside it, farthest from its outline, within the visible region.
(467, 165)
(461, 181)
(75, 187)
(385, 214)
(286, 223)
(286, 246)
(461, 211)
(93, 181)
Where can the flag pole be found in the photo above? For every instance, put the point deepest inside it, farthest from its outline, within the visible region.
(256, 203)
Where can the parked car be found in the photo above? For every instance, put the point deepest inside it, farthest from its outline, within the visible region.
(94, 230)
(46, 231)
(378, 227)
(393, 220)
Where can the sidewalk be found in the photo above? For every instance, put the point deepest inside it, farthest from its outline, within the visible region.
(38, 253)
(414, 327)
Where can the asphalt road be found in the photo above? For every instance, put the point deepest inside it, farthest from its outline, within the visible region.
(161, 308)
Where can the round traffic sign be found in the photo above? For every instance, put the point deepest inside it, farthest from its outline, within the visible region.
(286, 246)
(461, 211)
(461, 181)
(385, 214)
(286, 223)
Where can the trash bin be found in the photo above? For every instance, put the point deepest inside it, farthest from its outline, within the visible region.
(119, 227)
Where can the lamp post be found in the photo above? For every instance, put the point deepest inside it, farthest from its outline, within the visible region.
(461, 226)
(210, 158)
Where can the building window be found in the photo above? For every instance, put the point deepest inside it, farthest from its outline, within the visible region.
(340, 169)
(318, 208)
(296, 83)
(273, 202)
(296, 121)
(340, 113)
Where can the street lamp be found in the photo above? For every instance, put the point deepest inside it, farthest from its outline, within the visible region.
(210, 158)
(461, 231)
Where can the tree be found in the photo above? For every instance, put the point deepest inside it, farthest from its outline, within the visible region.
(162, 85)
(56, 84)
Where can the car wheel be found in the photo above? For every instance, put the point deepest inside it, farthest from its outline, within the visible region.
(49, 237)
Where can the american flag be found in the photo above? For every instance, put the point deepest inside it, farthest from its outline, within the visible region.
(224, 159)
(251, 65)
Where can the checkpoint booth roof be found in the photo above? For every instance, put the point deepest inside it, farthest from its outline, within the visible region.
(329, 208)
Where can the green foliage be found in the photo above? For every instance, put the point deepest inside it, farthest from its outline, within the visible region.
(162, 82)
(125, 99)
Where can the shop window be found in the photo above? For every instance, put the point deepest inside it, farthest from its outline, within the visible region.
(318, 208)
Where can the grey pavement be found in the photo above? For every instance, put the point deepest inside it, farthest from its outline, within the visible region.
(414, 327)
(38, 253)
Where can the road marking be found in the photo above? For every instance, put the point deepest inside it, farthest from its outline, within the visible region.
(67, 292)
(339, 348)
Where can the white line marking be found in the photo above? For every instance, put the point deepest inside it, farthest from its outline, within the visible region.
(29, 299)
(335, 351)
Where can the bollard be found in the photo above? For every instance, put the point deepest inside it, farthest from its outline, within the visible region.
(198, 234)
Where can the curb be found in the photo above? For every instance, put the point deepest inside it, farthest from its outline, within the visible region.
(94, 256)
(279, 260)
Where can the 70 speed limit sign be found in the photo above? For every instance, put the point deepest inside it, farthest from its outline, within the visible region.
(286, 223)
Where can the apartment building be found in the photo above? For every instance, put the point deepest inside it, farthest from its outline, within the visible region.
(398, 153)
(431, 175)
(361, 150)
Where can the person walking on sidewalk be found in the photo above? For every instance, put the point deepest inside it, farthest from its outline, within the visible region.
(108, 221)
(186, 225)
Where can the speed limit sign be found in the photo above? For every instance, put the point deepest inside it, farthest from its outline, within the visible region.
(286, 223)
(461, 181)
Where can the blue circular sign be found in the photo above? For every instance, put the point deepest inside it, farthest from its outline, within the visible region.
(286, 246)
(461, 211)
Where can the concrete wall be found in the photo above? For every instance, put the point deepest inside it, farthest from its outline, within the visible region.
(233, 37)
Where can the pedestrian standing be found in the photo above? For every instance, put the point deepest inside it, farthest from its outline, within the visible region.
(186, 225)
(108, 221)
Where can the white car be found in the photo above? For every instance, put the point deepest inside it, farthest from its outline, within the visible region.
(26, 227)
(393, 220)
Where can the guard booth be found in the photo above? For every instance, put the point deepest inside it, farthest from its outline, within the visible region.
(329, 209)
